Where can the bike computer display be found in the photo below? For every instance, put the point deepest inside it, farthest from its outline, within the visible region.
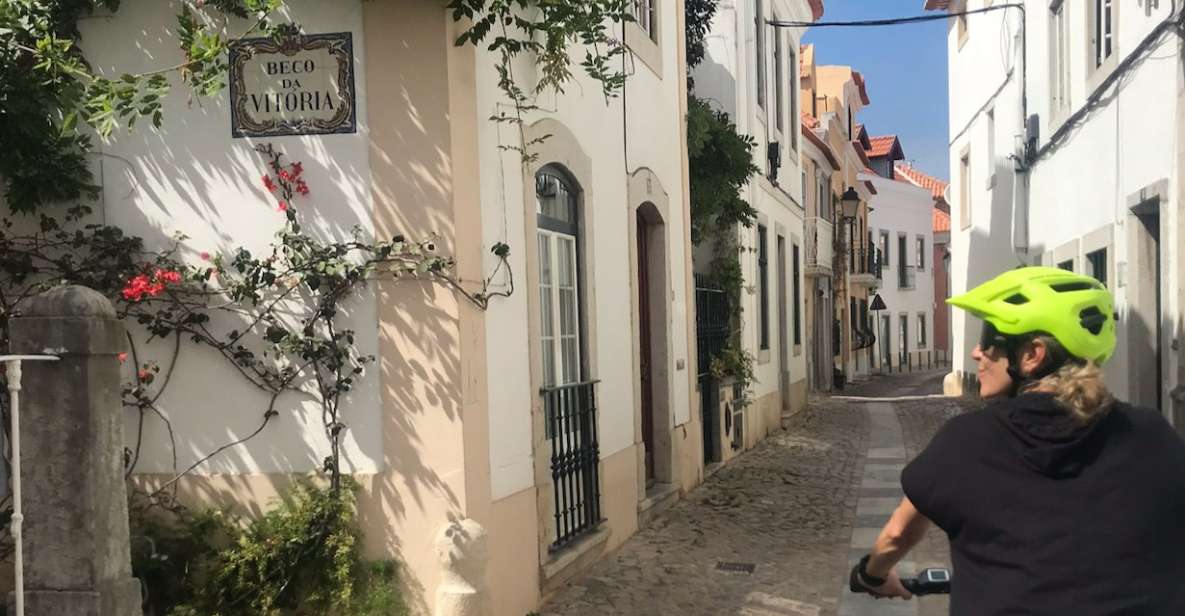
(935, 575)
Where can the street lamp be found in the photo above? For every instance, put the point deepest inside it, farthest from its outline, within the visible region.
(850, 202)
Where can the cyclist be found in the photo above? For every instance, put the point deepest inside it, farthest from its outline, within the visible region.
(1057, 498)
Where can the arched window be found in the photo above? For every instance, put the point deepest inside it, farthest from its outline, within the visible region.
(558, 223)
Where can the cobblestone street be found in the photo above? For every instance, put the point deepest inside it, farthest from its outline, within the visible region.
(785, 510)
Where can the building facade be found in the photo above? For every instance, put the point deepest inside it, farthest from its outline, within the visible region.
(838, 93)
(751, 70)
(941, 254)
(1069, 153)
(901, 223)
(457, 418)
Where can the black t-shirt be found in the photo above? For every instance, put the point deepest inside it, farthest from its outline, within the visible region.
(1047, 517)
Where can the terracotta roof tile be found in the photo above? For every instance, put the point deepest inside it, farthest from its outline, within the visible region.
(885, 145)
(856, 145)
(936, 186)
(818, 142)
(941, 221)
(816, 9)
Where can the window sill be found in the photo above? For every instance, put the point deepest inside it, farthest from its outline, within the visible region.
(644, 47)
(763, 356)
(566, 563)
(1096, 75)
(991, 181)
(797, 350)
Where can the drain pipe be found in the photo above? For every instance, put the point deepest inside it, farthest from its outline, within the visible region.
(13, 363)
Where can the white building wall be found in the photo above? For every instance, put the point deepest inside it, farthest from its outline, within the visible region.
(728, 77)
(1125, 146)
(898, 208)
(191, 176)
(1075, 198)
(649, 138)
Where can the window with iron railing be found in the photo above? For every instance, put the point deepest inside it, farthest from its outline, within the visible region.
(571, 417)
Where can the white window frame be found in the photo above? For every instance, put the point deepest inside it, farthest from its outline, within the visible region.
(991, 147)
(965, 188)
(551, 311)
(921, 339)
(1059, 59)
(920, 245)
(779, 82)
(646, 16)
(759, 44)
(792, 66)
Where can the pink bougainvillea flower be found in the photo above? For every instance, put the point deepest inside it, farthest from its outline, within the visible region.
(144, 376)
(302, 188)
(284, 175)
(283, 207)
(122, 357)
(297, 169)
(166, 276)
(205, 256)
(269, 184)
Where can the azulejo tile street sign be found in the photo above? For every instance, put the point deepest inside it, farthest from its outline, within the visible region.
(299, 84)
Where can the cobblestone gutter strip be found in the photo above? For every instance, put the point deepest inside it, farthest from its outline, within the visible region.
(786, 507)
(920, 420)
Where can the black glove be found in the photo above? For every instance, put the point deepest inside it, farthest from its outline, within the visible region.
(861, 582)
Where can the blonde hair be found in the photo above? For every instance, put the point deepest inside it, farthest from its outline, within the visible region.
(1077, 386)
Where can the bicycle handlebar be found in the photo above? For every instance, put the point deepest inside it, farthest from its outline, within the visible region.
(933, 581)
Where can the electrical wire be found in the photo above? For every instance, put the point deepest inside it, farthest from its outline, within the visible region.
(894, 21)
(1102, 95)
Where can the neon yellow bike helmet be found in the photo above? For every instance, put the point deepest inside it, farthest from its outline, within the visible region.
(1074, 309)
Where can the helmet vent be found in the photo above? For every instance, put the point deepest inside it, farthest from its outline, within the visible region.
(1017, 299)
(1092, 319)
(1073, 286)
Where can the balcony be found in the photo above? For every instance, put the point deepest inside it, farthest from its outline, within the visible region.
(865, 267)
(820, 238)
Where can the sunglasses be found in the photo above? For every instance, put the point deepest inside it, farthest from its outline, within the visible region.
(991, 338)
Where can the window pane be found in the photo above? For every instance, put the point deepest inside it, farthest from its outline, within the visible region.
(546, 312)
(1097, 261)
(554, 198)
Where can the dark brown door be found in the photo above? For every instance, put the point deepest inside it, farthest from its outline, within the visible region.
(644, 346)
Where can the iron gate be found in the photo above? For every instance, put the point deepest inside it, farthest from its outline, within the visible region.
(711, 336)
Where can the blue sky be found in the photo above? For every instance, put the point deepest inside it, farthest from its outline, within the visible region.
(905, 71)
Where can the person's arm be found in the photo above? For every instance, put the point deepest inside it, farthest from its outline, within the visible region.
(904, 530)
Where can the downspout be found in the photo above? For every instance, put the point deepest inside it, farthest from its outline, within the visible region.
(1020, 190)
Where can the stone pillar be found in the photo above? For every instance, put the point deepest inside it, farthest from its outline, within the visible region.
(76, 553)
(461, 547)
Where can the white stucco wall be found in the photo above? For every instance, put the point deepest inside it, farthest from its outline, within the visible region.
(1127, 145)
(898, 207)
(984, 81)
(191, 176)
(1077, 195)
(727, 77)
(650, 138)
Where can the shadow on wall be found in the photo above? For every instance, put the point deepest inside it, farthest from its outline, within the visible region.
(990, 251)
(190, 169)
(712, 80)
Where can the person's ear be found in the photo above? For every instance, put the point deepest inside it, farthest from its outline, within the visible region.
(1033, 356)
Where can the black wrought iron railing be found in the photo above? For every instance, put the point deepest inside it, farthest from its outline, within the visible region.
(711, 322)
(571, 415)
(866, 260)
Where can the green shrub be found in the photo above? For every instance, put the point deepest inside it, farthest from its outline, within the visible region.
(301, 558)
